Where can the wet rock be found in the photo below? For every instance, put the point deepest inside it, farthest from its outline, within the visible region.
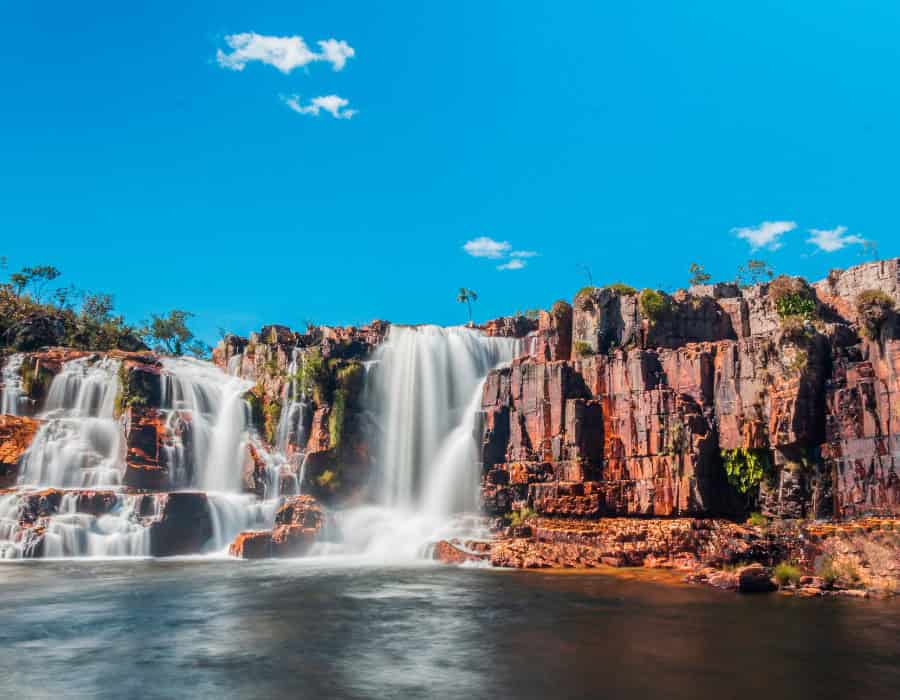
(456, 552)
(755, 579)
(183, 524)
(16, 434)
(298, 522)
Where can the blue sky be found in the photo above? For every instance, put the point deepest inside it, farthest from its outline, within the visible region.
(171, 155)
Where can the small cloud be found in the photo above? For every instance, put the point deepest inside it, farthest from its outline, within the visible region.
(766, 235)
(332, 104)
(282, 52)
(484, 247)
(514, 264)
(834, 239)
(336, 52)
(523, 254)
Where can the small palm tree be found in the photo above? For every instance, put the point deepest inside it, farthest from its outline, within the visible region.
(467, 296)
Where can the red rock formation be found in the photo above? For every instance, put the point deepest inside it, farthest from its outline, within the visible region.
(298, 522)
(634, 419)
(16, 434)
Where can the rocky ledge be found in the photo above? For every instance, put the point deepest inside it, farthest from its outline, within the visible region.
(298, 521)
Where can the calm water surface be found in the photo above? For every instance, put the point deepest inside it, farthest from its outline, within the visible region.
(228, 629)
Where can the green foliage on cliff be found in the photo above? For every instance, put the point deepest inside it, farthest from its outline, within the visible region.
(621, 288)
(35, 381)
(517, 518)
(128, 394)
(654, 305)
(786, 574)
(80, 319)
(348, 388)
(792, 297)
(583, 349)
(271, 417)
(313, 376)
(328, 480)
(745, 468)
(873, 306)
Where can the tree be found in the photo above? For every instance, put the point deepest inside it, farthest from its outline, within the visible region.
(587, 271)
(38, 276)
(870, 249)
(467, 296)
(753, 273)
(171, 334)
(698, 274)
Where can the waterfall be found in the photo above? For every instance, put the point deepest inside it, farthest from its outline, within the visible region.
(80, 443)
(11, 390)
(427, 390)
(213, 403)
(425, 395)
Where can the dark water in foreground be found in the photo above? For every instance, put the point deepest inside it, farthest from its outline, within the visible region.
(195, 628)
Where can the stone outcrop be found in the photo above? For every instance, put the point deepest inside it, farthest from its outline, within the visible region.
(16, 434)
(638, 404)
(298, 522)
(318, 375)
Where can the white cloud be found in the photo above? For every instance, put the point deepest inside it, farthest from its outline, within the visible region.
(834, 239)
(283, 52)
(766, 235)
(484, 247)
(336, 52)
(514, 264)
(523, 254)
(334, 105)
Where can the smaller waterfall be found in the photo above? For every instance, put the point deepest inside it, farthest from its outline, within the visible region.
(12, 391)
(80, 442)
(69, 533)
(219, 417)
(232, 513)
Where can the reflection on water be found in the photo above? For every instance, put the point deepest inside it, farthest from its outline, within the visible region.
(163, 629)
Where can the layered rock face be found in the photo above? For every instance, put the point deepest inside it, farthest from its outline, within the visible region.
(623, 408)
(307, 401)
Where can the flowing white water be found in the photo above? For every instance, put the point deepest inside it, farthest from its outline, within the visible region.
(213, 404)
(11, 390)
(80, 443)
(426, 395)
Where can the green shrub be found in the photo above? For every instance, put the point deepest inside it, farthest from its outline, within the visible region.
(583, 349)
(745, 468)
(560, 309)
(271, 416)
(621, 288)
(828, 572)
(519, 517)
(328, 480)
(874, 307)
(792, 297)
(654, 305)
(313, 377)
(758, 520)
(786, 574)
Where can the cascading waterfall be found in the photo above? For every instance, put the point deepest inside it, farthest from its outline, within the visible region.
(80, 444)
(218, 451)
(11, 391)
(425, 395)
(219, 419)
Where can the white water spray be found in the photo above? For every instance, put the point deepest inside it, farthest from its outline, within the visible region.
(426, 395)
(11, 390)
(80, 444)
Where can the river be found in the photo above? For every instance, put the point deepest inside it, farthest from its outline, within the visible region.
(333, 628)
